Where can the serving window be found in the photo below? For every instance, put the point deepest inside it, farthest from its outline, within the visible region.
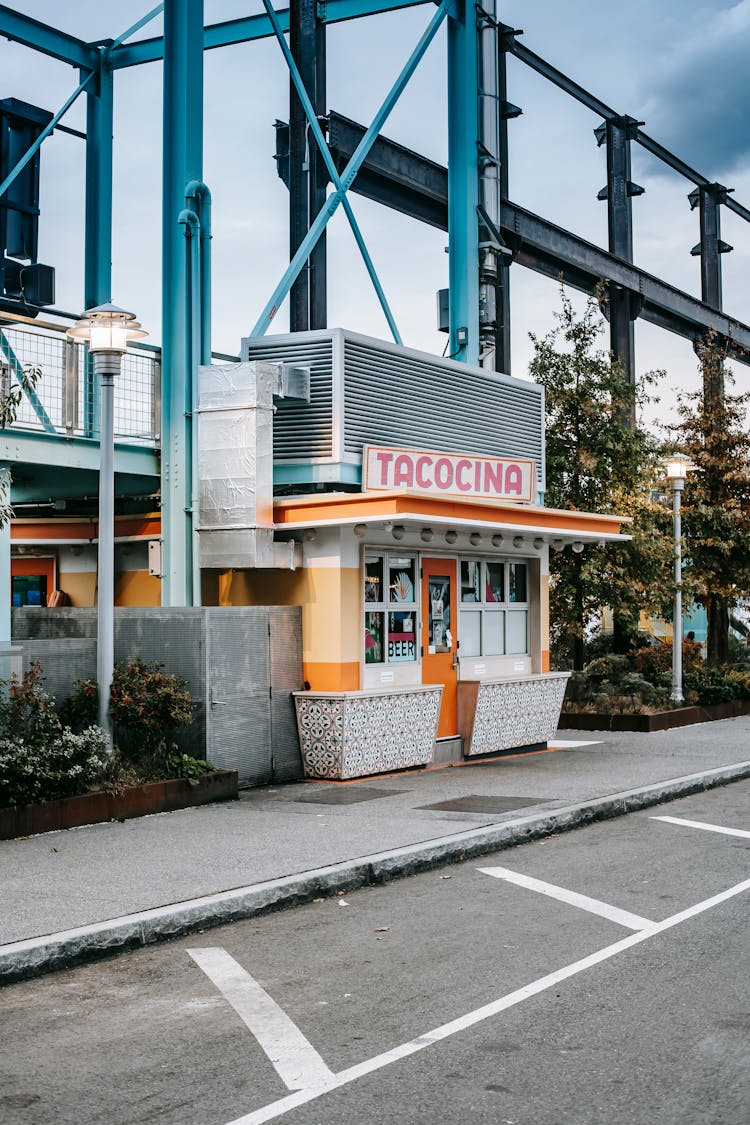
(494, 610)
(390, 582)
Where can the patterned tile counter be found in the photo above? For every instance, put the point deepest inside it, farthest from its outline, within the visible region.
(502, 714)
(357, 733)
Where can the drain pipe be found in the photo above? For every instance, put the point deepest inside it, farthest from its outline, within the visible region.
(191, 223)
(198, 200)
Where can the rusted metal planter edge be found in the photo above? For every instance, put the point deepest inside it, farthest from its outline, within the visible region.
(662, 720)
(96, 808)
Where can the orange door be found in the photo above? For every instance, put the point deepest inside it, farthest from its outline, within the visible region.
(439, 637)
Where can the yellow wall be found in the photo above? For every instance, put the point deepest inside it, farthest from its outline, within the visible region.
(137, 587)
(80, 588)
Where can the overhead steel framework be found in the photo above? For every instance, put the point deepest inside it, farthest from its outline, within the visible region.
(487, 232)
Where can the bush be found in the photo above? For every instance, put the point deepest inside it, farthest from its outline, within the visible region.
(40, 759)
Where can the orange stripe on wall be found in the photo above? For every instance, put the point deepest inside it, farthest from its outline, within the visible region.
(331, 677)
(545, 660)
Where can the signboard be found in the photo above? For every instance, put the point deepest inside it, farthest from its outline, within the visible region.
(447, 474)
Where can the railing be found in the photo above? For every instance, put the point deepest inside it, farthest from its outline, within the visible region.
(64, 401)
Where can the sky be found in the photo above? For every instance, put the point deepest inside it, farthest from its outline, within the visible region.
(679, 65)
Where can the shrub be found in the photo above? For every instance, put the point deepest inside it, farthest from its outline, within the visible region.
(708, 685)
(40, 759)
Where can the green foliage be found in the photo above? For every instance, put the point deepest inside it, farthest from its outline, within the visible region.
(716, 501)
(40, 759)
(598, 463)
(182, 765)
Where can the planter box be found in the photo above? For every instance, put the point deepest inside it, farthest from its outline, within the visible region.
(497, 715)
(662, 720)
(358, 733)
(95, 808)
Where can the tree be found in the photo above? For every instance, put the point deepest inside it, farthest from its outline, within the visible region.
(598, 461)
(716, 501)
(10, 401)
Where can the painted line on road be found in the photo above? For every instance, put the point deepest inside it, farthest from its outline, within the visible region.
(566, 744)
(705, 827)
(297, 1063)
(572, 898)
(446, 1030)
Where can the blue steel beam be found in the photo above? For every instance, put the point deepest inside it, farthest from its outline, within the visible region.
(138, 25)
(98, 218)
(27, 156)
(246, 30)
(48, 40)
(182, 163)
(331, 168)
(463, 186)
(324, 215)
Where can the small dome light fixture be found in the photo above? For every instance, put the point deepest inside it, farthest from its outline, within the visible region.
(497, 540)
(578, 548)
(558, 544)
(451, 536)
(398, 531)
(518, 542)
(426, 534)
(538, 544)
(360, 530)
(310, 535)
(475, 538)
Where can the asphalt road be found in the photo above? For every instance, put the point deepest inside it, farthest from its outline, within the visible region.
(596, 977)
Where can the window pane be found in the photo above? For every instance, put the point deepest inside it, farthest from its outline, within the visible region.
(374, 578)
(515, 631)
(517, 583)
(492, 633)
(495, 582)
(401, 579)
(470, 581)
(373, 638)
(468, 624)
(402, 637)
(439, 620)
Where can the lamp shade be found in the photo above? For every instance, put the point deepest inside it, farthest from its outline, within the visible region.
(107, 329)
(678, 466)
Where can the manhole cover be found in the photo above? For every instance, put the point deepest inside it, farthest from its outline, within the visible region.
(344, 795)
(478, 804)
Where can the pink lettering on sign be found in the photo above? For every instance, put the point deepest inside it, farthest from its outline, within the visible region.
(444, 473)
(403, 471)
(463, 466)
(385, 459)
(423, 470)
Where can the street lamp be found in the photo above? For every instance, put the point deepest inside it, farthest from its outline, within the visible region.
(678, 466)
(107, 330)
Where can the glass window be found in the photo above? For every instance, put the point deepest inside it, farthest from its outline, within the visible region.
(470, 589)
(390, 632)
(374, 579)
(516, 631)
(517, 582)
(469, 624)
(439, 623)
(495, 582)
(493, 628)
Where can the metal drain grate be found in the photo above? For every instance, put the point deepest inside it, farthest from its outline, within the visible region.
(477, 804)
(349, 795)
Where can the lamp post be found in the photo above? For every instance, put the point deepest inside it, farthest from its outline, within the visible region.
(107, 330)
(678, 466)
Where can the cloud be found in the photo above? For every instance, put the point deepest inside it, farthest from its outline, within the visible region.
(698, 97)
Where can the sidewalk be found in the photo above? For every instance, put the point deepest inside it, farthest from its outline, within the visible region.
(66, 896)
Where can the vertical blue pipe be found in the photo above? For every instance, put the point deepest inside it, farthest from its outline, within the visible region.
(5, 580)
(463, 189)
(98, 220)
(182, 162)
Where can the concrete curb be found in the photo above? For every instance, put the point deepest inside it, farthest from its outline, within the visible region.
(35, 956)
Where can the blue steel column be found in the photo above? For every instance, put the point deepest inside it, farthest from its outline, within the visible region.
(183, 162)
(5, 579)
(98, 222)
(463, 189)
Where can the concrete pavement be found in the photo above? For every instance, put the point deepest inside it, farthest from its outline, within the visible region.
(82, 893)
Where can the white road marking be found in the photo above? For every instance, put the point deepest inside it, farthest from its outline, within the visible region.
(301, 1097)
(298, 1064)
(572, 898)
(705, 827)
(565, 744)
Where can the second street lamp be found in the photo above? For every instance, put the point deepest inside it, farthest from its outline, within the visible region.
(678, 466)
(107, 330)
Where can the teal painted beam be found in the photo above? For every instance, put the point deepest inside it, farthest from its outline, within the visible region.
(30, 447)
(182, 163)
(246, 30)
(463, 186)
(48, 40)
(323, 472)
